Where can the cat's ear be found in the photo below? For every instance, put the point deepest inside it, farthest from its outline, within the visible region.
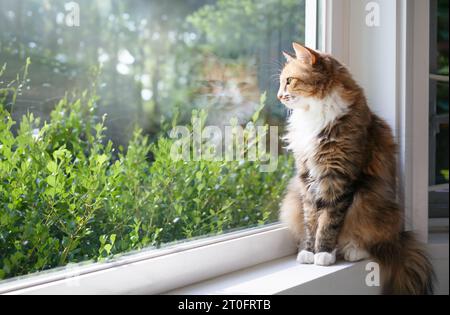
(288, 56)
(305, 54)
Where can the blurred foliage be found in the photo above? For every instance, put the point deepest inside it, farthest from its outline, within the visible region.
(445, 174)
(151, 54)
(65, 197)
(236, 28)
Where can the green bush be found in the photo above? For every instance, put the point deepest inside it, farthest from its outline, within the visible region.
(67, 196)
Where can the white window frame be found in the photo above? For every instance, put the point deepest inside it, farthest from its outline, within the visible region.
(413, 61)
(311, 18)
(183, 264)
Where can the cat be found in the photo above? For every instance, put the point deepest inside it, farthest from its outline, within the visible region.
(229, 90)
(342, 200)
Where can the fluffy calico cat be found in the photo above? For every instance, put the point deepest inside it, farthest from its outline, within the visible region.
(342, 200)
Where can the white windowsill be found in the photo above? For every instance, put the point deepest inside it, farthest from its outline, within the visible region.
(286, 276)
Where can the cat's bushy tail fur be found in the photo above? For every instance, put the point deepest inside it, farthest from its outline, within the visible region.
(405, 266)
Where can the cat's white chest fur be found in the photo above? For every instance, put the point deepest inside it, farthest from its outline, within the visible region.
(308, 119)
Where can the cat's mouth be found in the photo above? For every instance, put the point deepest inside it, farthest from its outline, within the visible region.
(289, 101)
(295, 102)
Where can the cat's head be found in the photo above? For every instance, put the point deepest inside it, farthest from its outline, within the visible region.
(308, 74)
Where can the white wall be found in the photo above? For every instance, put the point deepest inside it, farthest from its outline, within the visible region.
(372, 56)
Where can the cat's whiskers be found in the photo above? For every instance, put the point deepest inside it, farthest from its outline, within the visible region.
(275, 78)
(277, 69)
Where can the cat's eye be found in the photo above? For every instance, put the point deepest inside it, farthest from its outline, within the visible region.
(288, 81)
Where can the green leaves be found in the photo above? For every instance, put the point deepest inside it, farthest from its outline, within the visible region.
(106, 244)
(69, 198)
(51, 180)
(102, 159)
(445, 174)
(52, 167)
(262, 103)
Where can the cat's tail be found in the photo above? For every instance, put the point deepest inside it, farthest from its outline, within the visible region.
(405, 267)
(291, 211)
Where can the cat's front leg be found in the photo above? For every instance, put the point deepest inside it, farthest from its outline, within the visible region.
(329, 225)
(333, 194)
(306, 254)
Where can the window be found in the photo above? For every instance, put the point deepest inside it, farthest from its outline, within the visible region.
(438, 134)
(94, 89)
(148, 64)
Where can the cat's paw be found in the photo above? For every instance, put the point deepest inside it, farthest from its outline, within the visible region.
(305, 257)
(324, 258)
(354, 253)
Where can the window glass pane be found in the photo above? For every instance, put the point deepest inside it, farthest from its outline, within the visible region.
(438, 194)
(442, 98)
(108, 80)
(442, 36)
(438, 139)
(442, 154)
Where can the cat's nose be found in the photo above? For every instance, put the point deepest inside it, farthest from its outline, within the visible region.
(280, 96)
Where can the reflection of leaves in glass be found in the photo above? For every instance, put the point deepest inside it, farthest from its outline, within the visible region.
(443, 65)
(445, 174)
(236, 27)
